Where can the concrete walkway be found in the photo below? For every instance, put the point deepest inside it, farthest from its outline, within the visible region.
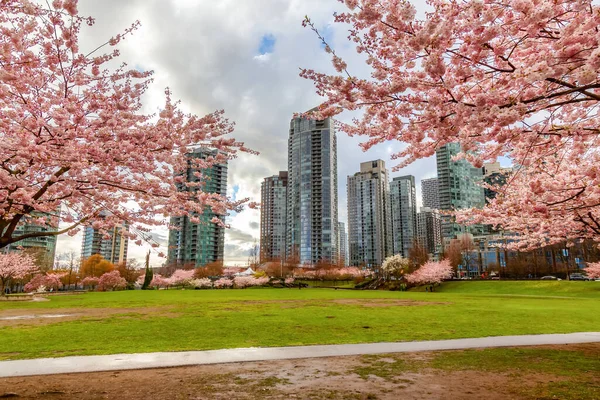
(47, 366)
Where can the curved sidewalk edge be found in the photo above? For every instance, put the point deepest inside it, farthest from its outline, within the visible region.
(48, 366)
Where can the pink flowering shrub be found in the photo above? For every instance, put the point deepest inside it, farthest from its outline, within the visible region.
(49, 281)
(431, 272)
(242, 282)
(289, 281)
(159, 281)
(111, 281)
(90, 281)
(223, 283)
(262, 281)
(201, 283)
(181, 277)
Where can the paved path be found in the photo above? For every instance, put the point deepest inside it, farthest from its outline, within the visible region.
(47, 366)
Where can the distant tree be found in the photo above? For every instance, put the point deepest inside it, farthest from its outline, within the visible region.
(253, 259)
(159, 281)
(181, 277)
(148, 275)
(50, 281)
(418, 254)
(111, 281)
(431, 272)
(95, 265)
(214, 268)
(14, 266)
(40, 258)
(201, 283)
(277, 269)
(468, 251)
(90, 281)
(223, 283)
(130, 270)
(69, 263)
(453, 253)
(395, 266)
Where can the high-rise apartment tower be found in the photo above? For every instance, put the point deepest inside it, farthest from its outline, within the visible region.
(369, 215)
(458, 185)
(430, 193)
(403, 202)
(273, 218)
(200, 243)
(312, 214)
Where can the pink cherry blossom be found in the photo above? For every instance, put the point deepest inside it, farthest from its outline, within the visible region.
(223, 283)
(431, 272)
(593, 270)
(111, 281)
(14, 266)
(75, 144)
(48, 281)
(159, 281)
(90, 281)
(519, 79)
(181, 277)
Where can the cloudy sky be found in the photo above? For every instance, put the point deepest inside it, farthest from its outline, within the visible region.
(242, 56)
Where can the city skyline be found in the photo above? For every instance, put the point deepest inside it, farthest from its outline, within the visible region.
(204, 76)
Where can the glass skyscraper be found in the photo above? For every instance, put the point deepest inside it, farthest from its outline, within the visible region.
(458, 185)
(403, 200)
(273, 217)
(112, 245)
(369, 215)
(200, 243)
(312, 214)
(42, 248)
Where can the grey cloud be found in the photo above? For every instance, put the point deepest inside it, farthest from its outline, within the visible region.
(237, 235)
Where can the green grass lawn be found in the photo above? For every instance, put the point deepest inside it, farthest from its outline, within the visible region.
(174, 320)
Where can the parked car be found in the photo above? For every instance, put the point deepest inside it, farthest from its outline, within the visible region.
(578, 277)
(549, 278)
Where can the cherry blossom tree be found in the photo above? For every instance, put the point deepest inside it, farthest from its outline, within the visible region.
(430, 273)
(242, 282)
(74, 142)
(90, 281)
(14, 266)
(181, 277)
(516, 78)
(223, 283)
(593, 270)
(50, 281)
(159, 281)
(111, 281)
(201, 283)
(395, 266)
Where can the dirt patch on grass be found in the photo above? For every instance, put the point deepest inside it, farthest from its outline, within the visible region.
(36, 317)
(406, 376)
(385, 302)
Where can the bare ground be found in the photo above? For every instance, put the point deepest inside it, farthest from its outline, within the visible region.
(321, 378)
(12, 317)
